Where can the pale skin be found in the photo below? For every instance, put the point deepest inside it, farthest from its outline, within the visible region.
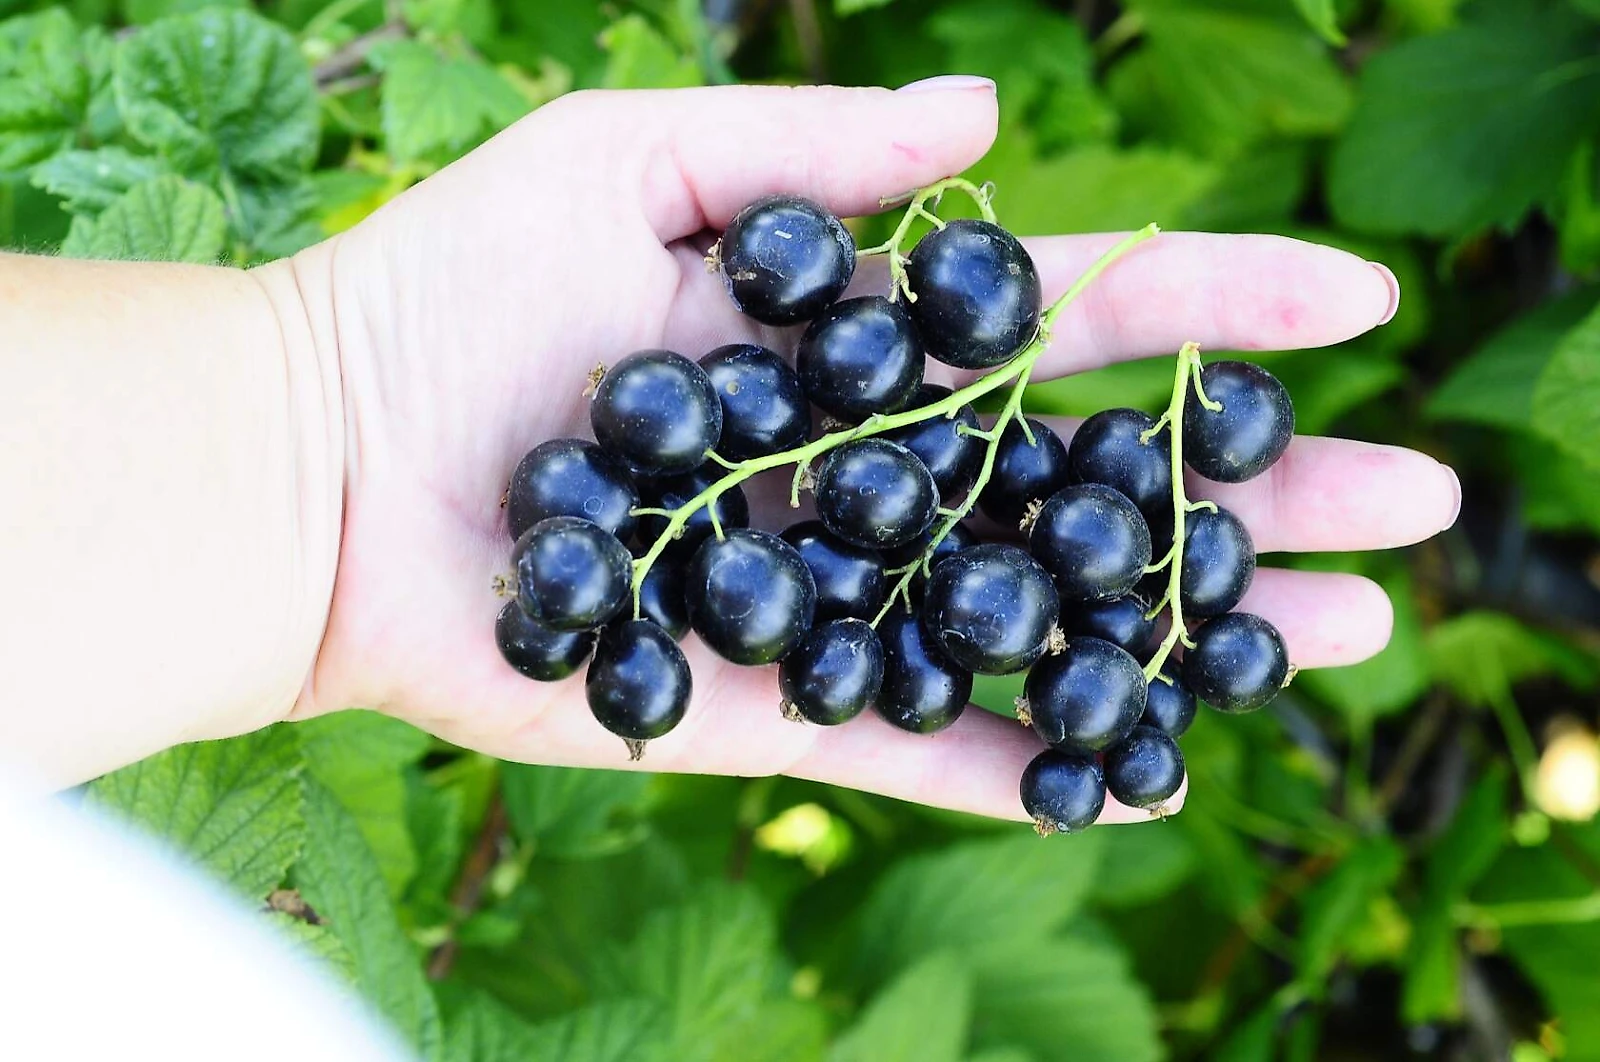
(233, 499)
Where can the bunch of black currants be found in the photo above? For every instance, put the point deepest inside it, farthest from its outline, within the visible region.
(891, 597)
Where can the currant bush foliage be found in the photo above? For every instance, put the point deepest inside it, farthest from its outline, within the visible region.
(1378, 843)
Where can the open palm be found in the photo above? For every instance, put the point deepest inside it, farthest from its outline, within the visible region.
(470, 310)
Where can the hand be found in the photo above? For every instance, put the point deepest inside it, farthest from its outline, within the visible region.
(470, 310)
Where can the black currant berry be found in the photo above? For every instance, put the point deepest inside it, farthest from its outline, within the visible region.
(1023, 472)
(785, 259)
(860, 357)
(571, 575)
(1169, 706)
(1093, 542)
(1063, 792)
(639, 683)
(1249, 433)
(1106, 449)
(571, 477)
(1238, 663)
(751, 598)
(1219, 560)
(661, 597)
(658, 412)
(960, 537)
(849, 578)
(977, 294)
(1144, 769)
(922, 690)
(1087, 697)
(1123, 621)
(952, 455)
(674, 492)
(875, 493)
(833, 674)
(990, 608)
(537, 651)
(764, 409)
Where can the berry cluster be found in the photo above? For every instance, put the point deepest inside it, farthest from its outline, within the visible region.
(890, 598)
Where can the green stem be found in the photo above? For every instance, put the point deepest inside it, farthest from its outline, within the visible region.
(1188, 368)
(1015, 372)
(916, 208)
(1564, 911)
(952, 517)
(330, 16)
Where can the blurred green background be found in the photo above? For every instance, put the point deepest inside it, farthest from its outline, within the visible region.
(1396, 860)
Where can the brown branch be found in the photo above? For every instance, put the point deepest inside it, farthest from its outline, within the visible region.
(349, 60)
(1414, 747)
(808, 35)
(468, 891)
(1299, 877)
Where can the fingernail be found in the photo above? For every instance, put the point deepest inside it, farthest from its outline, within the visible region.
(1455, 485)
(1394, 290)
(949, 83)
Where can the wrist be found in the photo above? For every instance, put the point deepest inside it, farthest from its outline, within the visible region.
(302, 294)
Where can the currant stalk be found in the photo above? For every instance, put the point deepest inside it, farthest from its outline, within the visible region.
(1016, 373)
(1188, 368)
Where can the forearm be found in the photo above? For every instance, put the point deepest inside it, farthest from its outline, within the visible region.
(171, 468)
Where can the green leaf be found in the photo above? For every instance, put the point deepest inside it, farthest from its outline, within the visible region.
(845, 8)
(437, 107)
(472, 19)
(1557, 955)
(1578, 213)
(637, 56)
(1322, 16)
(1256, 192)
(220, 91)
(566, 811)
(1042, 993)
(1039, 60)
(50, 76)
(1481, 655)
(1456, 861)
(340, 879)
(1389, 681)
(278, 220)
(89, 181)
(359, 758)
(1495, 384)
(921, 1016)
(1566, 400)
(1002, 1054)
(480, 1029)
(1111, 188)
(1327, 386)
(975, 893)
(1467, 129)
(1558, 492)
(1143, 384)
(1278, 81)
(234, 806)
(1332, 910)
(706, 961)
(1139, 866)
(483, 1030)
(316, 941)
(436, 820)
(779, 1030)
(165, 219)
(632, 1031)
(144, 12)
